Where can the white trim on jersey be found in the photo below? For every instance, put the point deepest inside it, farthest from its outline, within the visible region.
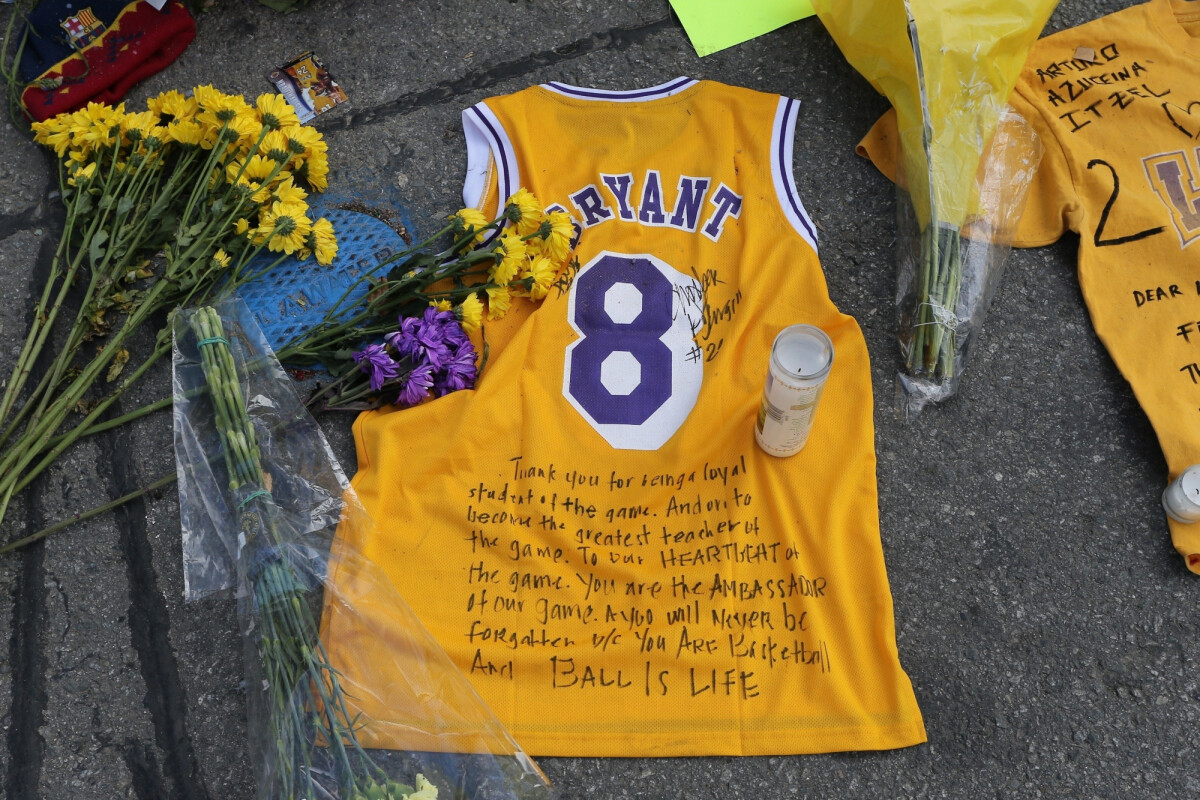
(782, 136)
(488, 147)
(622, 96)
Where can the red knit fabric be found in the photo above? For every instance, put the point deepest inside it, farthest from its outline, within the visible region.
(138, 44)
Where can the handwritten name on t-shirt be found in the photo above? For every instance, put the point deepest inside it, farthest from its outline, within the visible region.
(1085, 92)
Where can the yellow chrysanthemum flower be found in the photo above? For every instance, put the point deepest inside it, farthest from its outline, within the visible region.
(54, 132)
(247, 127)
(314, 172)
(137, 126)
(442, 305)
(207, 96)
(256, 169)
(324, 241)
(543, 271)
(174, 105)
(470, 311)
(275, 147)
(220, 259)
(185, 131)
(499, 301)
(524, 211)
(84, 173)
(241, 226)
(96, 124)
(558, 241)
(286, 232)
(509, 266)
(472, 219)
(275, 112)
(309, 140)
(288, 192)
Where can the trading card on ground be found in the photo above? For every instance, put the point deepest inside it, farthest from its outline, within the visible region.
(307, 85)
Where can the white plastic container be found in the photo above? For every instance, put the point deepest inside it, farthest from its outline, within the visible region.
(1181, 500)
(801, 358)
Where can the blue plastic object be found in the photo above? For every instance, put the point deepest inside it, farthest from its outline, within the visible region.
(296, 295)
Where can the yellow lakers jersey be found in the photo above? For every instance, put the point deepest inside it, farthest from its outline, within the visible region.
(592, 533)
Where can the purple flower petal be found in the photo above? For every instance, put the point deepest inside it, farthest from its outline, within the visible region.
(377, 364)
(416, 386)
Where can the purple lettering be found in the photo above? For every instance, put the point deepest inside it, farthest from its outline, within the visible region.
(688, 203)
(650, 210)
(1172, 177)
(591, 206)
(726, 204)
(620, 185)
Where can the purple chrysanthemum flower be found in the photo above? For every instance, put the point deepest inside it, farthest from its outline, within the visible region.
(456, 335)
(423, 339)
(379, 366)
(416, 386)
(459, 372)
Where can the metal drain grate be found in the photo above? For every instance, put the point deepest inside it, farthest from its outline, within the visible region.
(296, 295)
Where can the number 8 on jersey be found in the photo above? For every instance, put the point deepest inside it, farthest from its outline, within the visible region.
(635, 372)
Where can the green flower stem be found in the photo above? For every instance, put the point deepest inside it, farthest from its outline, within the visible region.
(12, 82)
(302, 689)
(44, 317)
(165, 480)
(939, 280)
(105, 274)
(39, 432)
(10, 474)
(201, 186)
(55, 447)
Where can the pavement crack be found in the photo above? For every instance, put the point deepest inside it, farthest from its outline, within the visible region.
(150, 634)
(615, 39)
(144, 772)
(62, 595)
(26, 647)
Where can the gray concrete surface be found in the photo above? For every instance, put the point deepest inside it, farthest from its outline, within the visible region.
(1048, 627)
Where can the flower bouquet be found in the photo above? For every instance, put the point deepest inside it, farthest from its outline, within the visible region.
(412, 337)
(418, 332)
(948, 67)
(261, 491)
(164, 207)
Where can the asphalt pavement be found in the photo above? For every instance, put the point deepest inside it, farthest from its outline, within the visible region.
(1048, 626)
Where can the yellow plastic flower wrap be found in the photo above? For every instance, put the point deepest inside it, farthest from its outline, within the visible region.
(948, 67)
(261, 495)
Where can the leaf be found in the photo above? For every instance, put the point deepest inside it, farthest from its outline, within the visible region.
(414, 263)
(106, 202)
(118, 364)
(124, 206)
(96, 247)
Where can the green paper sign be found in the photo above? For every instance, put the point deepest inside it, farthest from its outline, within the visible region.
(713, 25)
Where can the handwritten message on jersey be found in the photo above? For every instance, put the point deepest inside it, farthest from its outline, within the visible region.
(687, 597)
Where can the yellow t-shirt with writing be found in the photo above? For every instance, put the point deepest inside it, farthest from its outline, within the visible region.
(592, 533)
(1116, 103)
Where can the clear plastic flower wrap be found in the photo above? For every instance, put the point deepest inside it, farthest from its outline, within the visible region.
(261, 496)
(947, 274)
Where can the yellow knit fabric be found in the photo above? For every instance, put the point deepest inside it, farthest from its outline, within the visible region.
(1115, 104)
(617, 584)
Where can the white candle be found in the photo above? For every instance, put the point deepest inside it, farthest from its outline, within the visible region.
(800, 360)
(803, 354)
(1181, 500)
